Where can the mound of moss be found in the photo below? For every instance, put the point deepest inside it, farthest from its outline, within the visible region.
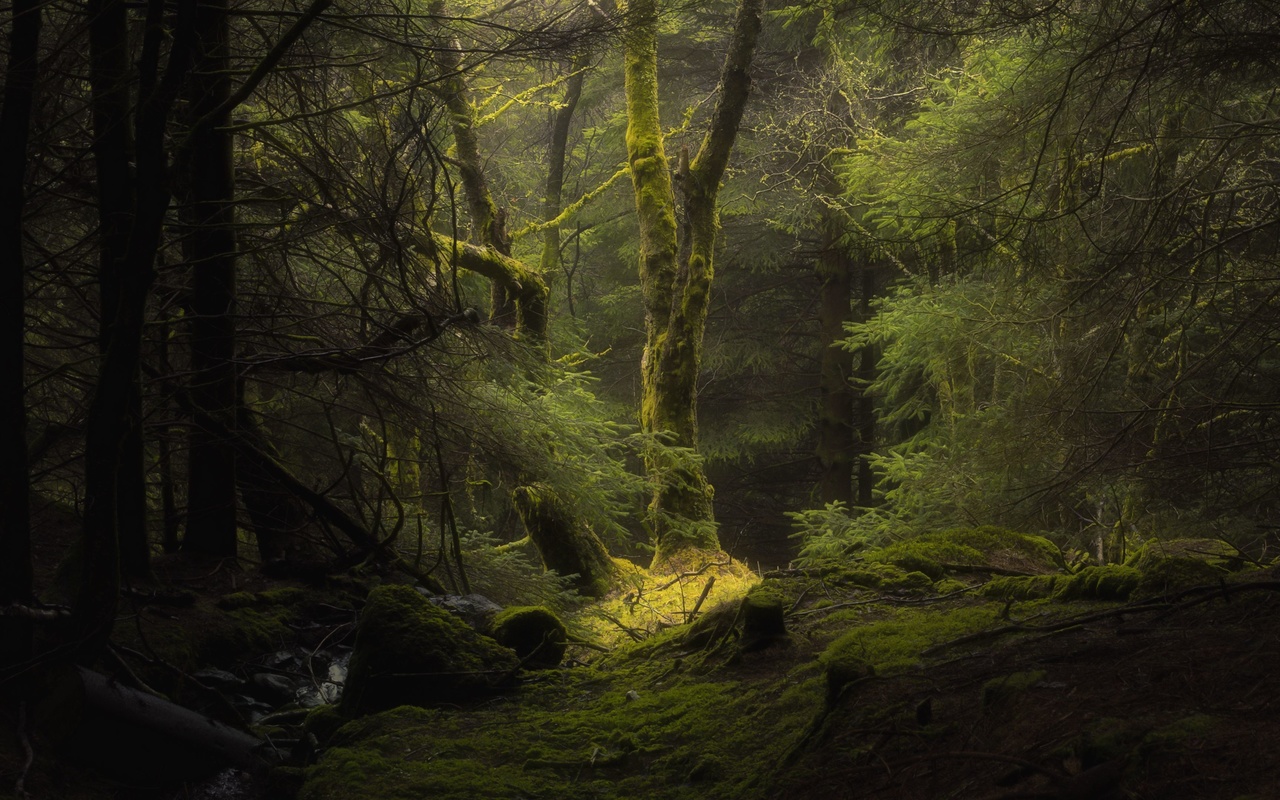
(408, 652)
(534, 632)
(1168, 566)
(972, 549)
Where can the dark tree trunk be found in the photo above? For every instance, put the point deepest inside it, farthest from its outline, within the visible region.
(109, 415)
(15, 509)
(126, 501)
(836, 434)
(209, 247)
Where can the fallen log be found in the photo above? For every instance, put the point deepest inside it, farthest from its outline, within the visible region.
(137, 737)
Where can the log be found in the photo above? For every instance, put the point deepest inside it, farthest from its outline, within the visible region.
(140, 738)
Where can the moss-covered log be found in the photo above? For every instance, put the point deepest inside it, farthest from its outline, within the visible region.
(567, 544)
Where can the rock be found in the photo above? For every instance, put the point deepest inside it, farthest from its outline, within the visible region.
(409, 652)
(476, 610)
(534, 632)
(271, 687)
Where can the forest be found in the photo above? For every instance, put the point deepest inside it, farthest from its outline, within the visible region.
(639, 398)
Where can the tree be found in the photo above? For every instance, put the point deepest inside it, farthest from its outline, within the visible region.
(676, 264)
(15, 537)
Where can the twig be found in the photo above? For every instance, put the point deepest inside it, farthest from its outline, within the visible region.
(693, 574)
(629, 631)
(28, 753)
(706, 590)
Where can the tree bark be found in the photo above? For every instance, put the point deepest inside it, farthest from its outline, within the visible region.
(109, 415)
(519, 304)
(675, 275)
(113, 150)
(836, 435)
(16, 582)
(556, 151)
(209, 247)
(567, 545)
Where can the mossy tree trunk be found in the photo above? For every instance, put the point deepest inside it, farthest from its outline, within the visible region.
(519, 295)
(566, 544)
(559, 145)
(676, 264)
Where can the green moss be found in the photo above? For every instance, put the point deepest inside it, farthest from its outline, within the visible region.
(896, 643)
(1180, 563)
(324, 721)
(1020, 587)
(408, 651)
(972, 548)
(875, 575)
(1002, 689)
(1110, 582)
(535, 633)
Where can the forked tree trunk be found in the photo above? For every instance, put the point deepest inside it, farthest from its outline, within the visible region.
(675, 275)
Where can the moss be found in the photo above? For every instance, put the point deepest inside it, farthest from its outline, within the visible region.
(408, 651)
(972, 548)
(1177, 564)
(874, 575)
(1004, 688)
(845, 663)
(1176, 735)
(950, 586)
(535, 633)
(1110, 582)
(898, 642)
(762, 615)
(1020, 587)
(324, 721)
(567, 544)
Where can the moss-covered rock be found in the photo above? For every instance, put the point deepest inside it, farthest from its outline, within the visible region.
(882, 576)
(408, 652)
(534, 632)
(972, 549)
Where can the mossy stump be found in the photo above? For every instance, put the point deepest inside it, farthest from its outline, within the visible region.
(408, 652)
(534, 632)
(567, 545)
(762, 617)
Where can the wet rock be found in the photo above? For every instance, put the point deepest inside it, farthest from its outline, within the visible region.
(476, 610)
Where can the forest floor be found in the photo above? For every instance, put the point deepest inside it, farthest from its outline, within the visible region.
(924, 693)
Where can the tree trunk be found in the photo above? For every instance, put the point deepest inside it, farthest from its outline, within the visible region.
(113, 150)
(676, 276)
(15, 511)
(209, 247)
(567, 545)
(864, 403)
(556, 150)
(836, 433)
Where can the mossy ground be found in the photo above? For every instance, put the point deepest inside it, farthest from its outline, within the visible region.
(935, 689)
